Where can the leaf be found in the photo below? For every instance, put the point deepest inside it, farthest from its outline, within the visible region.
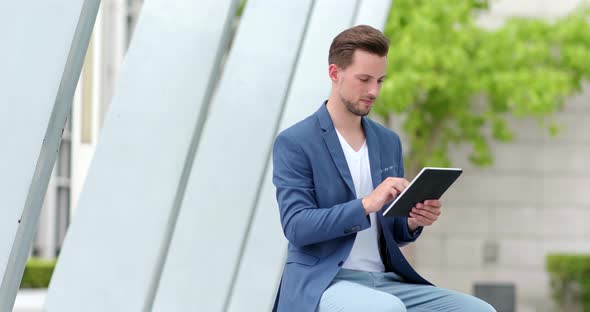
(454, 80)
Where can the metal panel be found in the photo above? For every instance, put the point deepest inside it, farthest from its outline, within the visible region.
(502, 296)
(232, 156)
(265, 248)
(44, 43)
(125, 216)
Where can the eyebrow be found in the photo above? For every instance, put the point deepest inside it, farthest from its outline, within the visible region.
(369, 76)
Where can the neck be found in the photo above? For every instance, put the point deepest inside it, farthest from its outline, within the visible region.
(344, 121)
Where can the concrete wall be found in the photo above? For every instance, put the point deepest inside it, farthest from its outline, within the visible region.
(499, 222)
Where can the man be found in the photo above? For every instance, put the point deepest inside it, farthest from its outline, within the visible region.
(334, 172)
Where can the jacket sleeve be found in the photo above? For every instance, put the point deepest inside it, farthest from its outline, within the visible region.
(303, 222)
(401, 232)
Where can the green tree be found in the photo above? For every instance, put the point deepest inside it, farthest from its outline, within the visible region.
(455, 81)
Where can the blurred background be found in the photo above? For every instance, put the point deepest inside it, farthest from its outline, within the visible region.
(499, 88)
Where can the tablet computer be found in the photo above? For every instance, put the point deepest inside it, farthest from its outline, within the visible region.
(430, 183)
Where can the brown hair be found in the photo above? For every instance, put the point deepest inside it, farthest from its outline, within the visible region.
(361, 37)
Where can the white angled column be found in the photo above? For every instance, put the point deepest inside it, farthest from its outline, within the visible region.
(118, 239)
(265, 245)
(232, 155)
(43, 47)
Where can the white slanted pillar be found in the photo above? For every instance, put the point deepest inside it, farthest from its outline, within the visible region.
(233, 152)
(43, 48)
(116, 245)
(265, 246)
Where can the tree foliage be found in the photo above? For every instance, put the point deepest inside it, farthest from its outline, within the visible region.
(456, 82)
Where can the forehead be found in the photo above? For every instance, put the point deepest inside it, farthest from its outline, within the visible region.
(364, 62)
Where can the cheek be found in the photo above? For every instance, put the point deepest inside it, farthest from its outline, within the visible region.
(356, 89)
(352, 90)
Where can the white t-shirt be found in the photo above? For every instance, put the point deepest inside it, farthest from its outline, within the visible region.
(364, 255)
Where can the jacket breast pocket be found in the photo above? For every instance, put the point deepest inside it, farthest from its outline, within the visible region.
(302, 258)
(389, 171)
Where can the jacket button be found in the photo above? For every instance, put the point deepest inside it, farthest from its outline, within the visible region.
(340, 263)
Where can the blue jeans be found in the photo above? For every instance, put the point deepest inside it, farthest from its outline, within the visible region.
(385, 292)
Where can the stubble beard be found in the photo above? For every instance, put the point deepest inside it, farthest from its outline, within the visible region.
(355, 108)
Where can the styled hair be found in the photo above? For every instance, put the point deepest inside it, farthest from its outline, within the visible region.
(361, 37)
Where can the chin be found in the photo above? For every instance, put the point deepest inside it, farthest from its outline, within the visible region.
(363, 113)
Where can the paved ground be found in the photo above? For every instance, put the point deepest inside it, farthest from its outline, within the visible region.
(29, 300)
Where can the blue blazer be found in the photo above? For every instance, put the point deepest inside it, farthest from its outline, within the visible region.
(320, 213)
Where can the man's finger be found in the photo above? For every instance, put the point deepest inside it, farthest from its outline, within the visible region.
(425, 213)
(399, 186)
(433, 202)
(422, 221)
(393, 191)
(435, 210)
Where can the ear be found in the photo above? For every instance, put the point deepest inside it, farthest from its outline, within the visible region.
(334, 72)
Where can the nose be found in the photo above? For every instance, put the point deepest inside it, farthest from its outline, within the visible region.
(374, 89)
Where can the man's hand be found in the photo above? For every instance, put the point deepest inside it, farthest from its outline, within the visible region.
(385, 192)
(424, 214)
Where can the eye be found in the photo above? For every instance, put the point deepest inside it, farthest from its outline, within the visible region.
(379, 81)
(364, 79)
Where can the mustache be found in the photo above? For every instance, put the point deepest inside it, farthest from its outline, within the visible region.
(370, 98)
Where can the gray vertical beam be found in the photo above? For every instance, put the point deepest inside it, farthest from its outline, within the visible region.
(43, 48)
(115, 247)
(265, 247)
(232, 154)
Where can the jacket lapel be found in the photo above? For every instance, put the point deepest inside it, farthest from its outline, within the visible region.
(374, 160)
(333, 144)
(376, 177)
(374, 156)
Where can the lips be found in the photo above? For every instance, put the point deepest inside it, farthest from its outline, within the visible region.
(368, 102)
